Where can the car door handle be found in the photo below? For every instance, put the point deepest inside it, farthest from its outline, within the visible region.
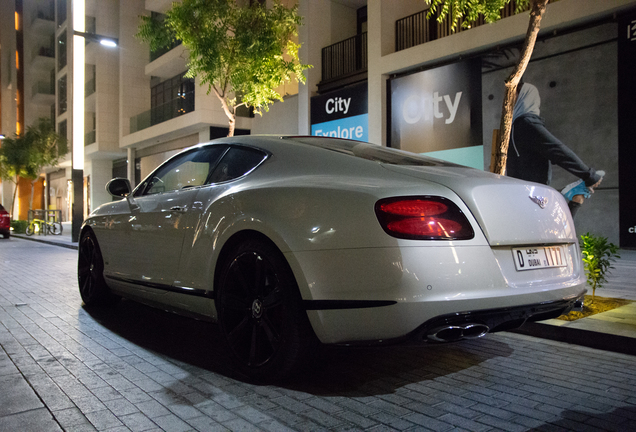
(177, 209)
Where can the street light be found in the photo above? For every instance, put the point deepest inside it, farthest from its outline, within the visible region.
(79, 60)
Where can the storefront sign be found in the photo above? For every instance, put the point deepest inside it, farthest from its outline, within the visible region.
(437, 110)
(342, 113)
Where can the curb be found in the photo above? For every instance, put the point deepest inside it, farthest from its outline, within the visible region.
(586, 338)
(49, 242)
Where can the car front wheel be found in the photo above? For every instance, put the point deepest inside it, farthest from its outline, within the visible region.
(265, 329)
(90, 273)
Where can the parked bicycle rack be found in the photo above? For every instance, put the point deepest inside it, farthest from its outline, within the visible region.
(48, 216)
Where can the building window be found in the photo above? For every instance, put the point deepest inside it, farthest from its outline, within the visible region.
(61, 51)
(61, 12)
(61, 129)
(171, 98)
(168, 99)
(61, 95)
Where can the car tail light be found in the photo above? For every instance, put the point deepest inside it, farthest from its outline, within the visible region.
(423, 218)
(5, 220)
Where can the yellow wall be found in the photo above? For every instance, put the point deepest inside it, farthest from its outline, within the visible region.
(24, 197)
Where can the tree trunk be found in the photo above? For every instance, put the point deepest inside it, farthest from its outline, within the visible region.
(32, 193)
(15, 192)
(510, 97)
(230, 112)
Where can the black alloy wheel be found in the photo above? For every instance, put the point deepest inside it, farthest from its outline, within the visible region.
(90, 273)
(263, 325)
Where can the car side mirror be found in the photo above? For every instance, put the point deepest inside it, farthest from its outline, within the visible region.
(118, 187)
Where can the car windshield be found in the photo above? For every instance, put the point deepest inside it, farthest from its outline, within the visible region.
(373, 152)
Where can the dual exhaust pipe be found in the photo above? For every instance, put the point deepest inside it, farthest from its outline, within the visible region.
(457, 332)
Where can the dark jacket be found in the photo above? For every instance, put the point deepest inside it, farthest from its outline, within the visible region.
(533, 148)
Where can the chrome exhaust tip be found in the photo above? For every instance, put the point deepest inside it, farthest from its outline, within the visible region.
(578, 305)
(453, 333)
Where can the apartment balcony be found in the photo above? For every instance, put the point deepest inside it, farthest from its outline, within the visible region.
(89, 138)
(169, 64)
(344, 63)
(43, 93)
(160, 6)
(415, 29)
(43, 19)
(89, 88)
(164, 112)
(43, 57)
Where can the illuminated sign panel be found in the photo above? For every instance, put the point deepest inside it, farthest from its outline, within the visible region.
(342, 113)
(438, 111)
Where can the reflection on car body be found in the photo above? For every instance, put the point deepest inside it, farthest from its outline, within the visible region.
(291, 241)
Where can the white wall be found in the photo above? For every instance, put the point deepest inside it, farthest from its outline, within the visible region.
(100, 171)
(282, 118)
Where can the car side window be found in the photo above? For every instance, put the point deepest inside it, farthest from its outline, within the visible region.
(188, 170)
(237, 162)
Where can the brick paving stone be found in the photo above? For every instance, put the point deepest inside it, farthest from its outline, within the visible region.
(206, 424)
(103, 420)
(463, 422)
(92, 377)
(70, 417)
(216, 411)
(152, 409)
(428, 422)
(121, 407)
(172, 423)
(356, 419)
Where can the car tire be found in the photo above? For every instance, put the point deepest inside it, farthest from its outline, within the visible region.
(263, 325)
(90, 274)
(6, 235)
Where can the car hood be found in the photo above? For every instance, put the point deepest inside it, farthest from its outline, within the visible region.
(509, 211)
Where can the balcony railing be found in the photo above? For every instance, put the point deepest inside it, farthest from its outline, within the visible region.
(164, 112)
(44, 52)
(89, 87)
(43, 87)
(416, 29)
(89, 138)
(46, 14)
(154, 55)
(345, 58)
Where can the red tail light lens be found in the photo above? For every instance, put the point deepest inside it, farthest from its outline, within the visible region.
(423, 218)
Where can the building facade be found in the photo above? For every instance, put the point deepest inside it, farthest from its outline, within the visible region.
(381, 72)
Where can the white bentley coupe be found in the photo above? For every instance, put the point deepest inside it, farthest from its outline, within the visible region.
(291, 241)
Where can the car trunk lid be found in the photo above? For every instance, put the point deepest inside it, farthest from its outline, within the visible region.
(509, 211)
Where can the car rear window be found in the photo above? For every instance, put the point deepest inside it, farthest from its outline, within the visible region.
(373, 152)
(237, 162)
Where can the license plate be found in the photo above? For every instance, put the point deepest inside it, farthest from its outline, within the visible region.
(532, 258)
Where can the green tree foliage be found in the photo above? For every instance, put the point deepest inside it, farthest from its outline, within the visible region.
(235, 50)
(25, 155)
(598, 256)
(463, 12)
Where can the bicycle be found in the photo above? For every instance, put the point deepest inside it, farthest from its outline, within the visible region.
(36, 226)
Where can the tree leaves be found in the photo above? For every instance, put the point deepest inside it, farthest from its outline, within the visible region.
(464, 12)
(26, 155)
(598, 256)
(242, 53)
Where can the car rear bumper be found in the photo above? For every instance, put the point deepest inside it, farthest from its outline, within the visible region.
(384, 294)
(422, 322)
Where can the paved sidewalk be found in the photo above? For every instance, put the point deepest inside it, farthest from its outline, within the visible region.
(63, 240)
(134, 368)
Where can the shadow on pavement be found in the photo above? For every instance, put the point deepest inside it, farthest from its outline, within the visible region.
(336, 371)
(621, 419)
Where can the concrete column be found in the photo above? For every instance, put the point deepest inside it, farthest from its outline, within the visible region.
(376, 81)
(130, 170)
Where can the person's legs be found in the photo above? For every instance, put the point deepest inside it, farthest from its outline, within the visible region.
(575, 204)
